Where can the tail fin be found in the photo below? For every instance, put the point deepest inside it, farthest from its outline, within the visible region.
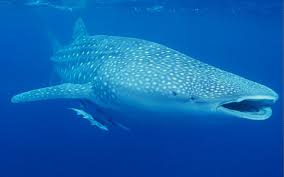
(67, 90)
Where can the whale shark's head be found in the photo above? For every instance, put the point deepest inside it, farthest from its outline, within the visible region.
(229, 94)
(244, 99)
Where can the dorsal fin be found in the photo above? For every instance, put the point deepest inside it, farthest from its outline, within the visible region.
(79, 29)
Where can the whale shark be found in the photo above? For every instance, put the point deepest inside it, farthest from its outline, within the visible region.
(126, 74)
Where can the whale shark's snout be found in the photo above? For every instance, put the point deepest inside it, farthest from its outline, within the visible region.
(255, 106)
(250, 107)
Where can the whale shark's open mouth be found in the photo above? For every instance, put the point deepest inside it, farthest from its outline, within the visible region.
(251, 107)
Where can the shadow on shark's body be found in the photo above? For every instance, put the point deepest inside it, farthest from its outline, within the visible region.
(120, 74)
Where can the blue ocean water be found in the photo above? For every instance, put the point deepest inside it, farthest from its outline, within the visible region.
(44, 139)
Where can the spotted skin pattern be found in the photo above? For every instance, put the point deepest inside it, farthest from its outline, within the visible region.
(111, 71)
(114, 64)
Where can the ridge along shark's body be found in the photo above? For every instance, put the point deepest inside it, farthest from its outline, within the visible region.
(128, 74)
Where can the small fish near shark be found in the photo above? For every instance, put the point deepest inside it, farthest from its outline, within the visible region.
(63, 5)
(90, 118)
(127, 74)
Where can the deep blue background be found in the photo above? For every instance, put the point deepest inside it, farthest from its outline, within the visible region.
(44, 139)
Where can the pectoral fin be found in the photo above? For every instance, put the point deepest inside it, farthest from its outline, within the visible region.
(66, 90)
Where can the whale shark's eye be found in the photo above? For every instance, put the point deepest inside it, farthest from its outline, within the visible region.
(190, 99)
(174, 93)
(196, 99)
